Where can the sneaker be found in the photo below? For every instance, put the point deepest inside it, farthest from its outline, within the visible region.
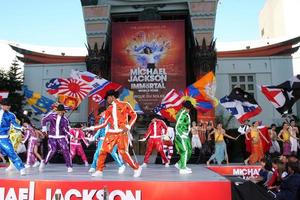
(86, 164)
(42, 165)
(22, 172)
(92, 170)
(177, 166)
(97, 174)
(184, 171)
(27, 166)
(167, 165)
(36, 164)
(187, 168)
(70, 169)
(122, 169)
(10, 168)
(144, 165)
(137, 172)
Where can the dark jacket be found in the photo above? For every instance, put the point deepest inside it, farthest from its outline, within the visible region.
(289, 188)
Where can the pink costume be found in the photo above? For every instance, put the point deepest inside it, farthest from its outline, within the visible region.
(32, 138)
(76, 147)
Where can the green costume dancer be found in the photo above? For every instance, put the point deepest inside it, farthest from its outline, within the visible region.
(182, 140)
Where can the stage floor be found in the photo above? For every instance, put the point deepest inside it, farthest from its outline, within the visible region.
(153, 172)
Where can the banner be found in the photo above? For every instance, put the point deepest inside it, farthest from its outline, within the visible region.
(113, 190)
(244, 171)
(149, 58)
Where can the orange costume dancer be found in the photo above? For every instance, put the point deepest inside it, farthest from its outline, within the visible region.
(116, 115)
(257, 152)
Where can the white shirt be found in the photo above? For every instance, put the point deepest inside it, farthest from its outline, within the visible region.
(57, 125)
(243, 129)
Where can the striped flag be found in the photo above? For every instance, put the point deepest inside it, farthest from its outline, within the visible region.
(170, 105)
(241, 105)
(3, 94)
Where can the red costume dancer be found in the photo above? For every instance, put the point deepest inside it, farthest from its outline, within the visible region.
(155, 132)
(116, 115)
(76, 147)
(168, 145)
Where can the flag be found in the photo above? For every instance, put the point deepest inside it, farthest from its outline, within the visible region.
(99, 85)
(170, 105)
(202, 93)
(69, 91)
(241, 105)
(3, 94)
(40, 104)
(284, 95)
(128, 96)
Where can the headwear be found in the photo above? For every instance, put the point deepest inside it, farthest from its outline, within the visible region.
(60, 107)
(5, 102)
(188, 105)
(112, 93)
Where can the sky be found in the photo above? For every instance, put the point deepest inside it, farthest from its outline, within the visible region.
(60, 22)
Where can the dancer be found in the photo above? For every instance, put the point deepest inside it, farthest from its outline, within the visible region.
(220, 145)
(256, 144)
(168, 139)
(196, 143)
(182, 140)
(57, 134)
(6, 120)
(76, 148)
(155, 132)
(32, 136)
(284, 136)
(243, 130)
(101, 135)
(294, 131)
(116, 115)
(275, 148)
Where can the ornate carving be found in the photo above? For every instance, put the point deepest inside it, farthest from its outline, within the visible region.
(204, 58)
(96, 60)
(149, 13)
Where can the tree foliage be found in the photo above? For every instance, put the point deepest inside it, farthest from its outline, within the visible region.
(12, 81)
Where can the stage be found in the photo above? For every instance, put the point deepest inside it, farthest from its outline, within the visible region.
(156, 182)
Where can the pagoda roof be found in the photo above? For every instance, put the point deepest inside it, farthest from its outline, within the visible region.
(278, 49)
(284, 48)
(32, 57)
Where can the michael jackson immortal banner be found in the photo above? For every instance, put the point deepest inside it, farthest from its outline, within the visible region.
(149, 59)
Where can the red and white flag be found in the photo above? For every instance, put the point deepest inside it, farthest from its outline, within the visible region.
(3, 94)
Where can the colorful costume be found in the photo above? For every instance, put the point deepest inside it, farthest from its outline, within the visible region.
(6, 148)
(196, 143)
(256, 146)
(101, 135)
(286, 143)
(220, 148)
(155, 132)
(57, 134)
(182, 140)
(76, 148)
(275, 148)
(32, 138)
(116, 115)
(168, 143)
(293, 140)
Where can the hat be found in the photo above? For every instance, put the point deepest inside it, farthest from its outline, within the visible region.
(60, 107)
(5, 102)
(112, 93)
(188, 105)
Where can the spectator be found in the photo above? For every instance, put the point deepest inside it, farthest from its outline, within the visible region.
(289, 188)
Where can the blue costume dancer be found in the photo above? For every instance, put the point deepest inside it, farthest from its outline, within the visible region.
(6, 120)
(101, 135)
